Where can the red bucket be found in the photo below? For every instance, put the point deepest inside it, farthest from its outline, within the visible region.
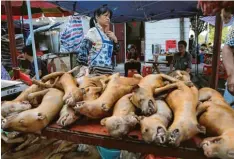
(25, 78)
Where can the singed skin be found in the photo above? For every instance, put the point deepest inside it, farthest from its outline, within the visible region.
(21, 103)
(72, 93)
(218, 118)
(143, 96)
(90, 88)
(116, 88)
(123, 118)
(183, 102)
(34, 120)
(154, 127)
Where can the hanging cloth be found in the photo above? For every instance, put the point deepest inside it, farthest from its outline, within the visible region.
(72, 36)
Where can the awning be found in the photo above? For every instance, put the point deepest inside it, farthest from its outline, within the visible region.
(125, 11)
(211, 20)
(38, 9)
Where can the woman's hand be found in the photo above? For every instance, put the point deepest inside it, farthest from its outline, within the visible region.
(27, 71)
(230, 84)
(112, 36)
(21, 56)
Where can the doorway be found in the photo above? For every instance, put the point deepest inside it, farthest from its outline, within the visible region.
(135, 34)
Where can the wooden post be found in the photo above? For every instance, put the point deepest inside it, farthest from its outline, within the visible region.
(11, 32)
(197, 49)
(216, 52)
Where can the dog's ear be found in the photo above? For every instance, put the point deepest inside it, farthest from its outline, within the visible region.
(135, 88)
(139, 118)
(84, 90)
(137, 76)
(103, 121)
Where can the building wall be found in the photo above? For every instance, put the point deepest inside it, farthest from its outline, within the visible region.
(159, 32)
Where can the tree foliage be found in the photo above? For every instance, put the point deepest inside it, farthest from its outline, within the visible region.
(212, 32)
(201, 25)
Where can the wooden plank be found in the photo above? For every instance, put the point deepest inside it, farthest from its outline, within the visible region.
(95, 134)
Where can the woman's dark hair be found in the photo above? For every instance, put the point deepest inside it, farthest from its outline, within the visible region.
(229, 10)
(98, 12)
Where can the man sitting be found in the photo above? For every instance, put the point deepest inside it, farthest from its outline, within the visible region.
(133, 61)
(28, 55)
(182, 60)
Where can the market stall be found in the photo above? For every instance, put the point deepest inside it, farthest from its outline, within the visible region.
(118, 119)
(94, 134)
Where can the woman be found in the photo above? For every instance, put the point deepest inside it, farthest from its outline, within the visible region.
(133, 61)
(97, 47)
(228, 56)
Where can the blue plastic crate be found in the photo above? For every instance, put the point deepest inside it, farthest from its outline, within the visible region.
(108, 153)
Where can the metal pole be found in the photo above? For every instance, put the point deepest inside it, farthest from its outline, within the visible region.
(125, 43)
(33, 40)
(197, 49)
(51, 42)
(22, 14)
(216, 52)
(12, 43)
(113, 28)
(71, 54)
(207, 35)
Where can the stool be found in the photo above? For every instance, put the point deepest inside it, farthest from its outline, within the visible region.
(151, 156)
(222, 71)
(207, 69)
(223, 75)
(131, 72)
(194, 61)
(146, 70)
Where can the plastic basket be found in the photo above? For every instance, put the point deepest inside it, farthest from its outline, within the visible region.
(108, 153)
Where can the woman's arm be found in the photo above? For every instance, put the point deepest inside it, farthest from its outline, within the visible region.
(83, 52)
(116, 47)
(129, 56)
(228, 59)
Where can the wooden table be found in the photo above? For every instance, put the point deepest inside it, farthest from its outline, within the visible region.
(91, 132)
(169, 58)
(155, 65)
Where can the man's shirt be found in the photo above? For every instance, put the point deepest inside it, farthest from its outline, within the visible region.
(182, 63)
